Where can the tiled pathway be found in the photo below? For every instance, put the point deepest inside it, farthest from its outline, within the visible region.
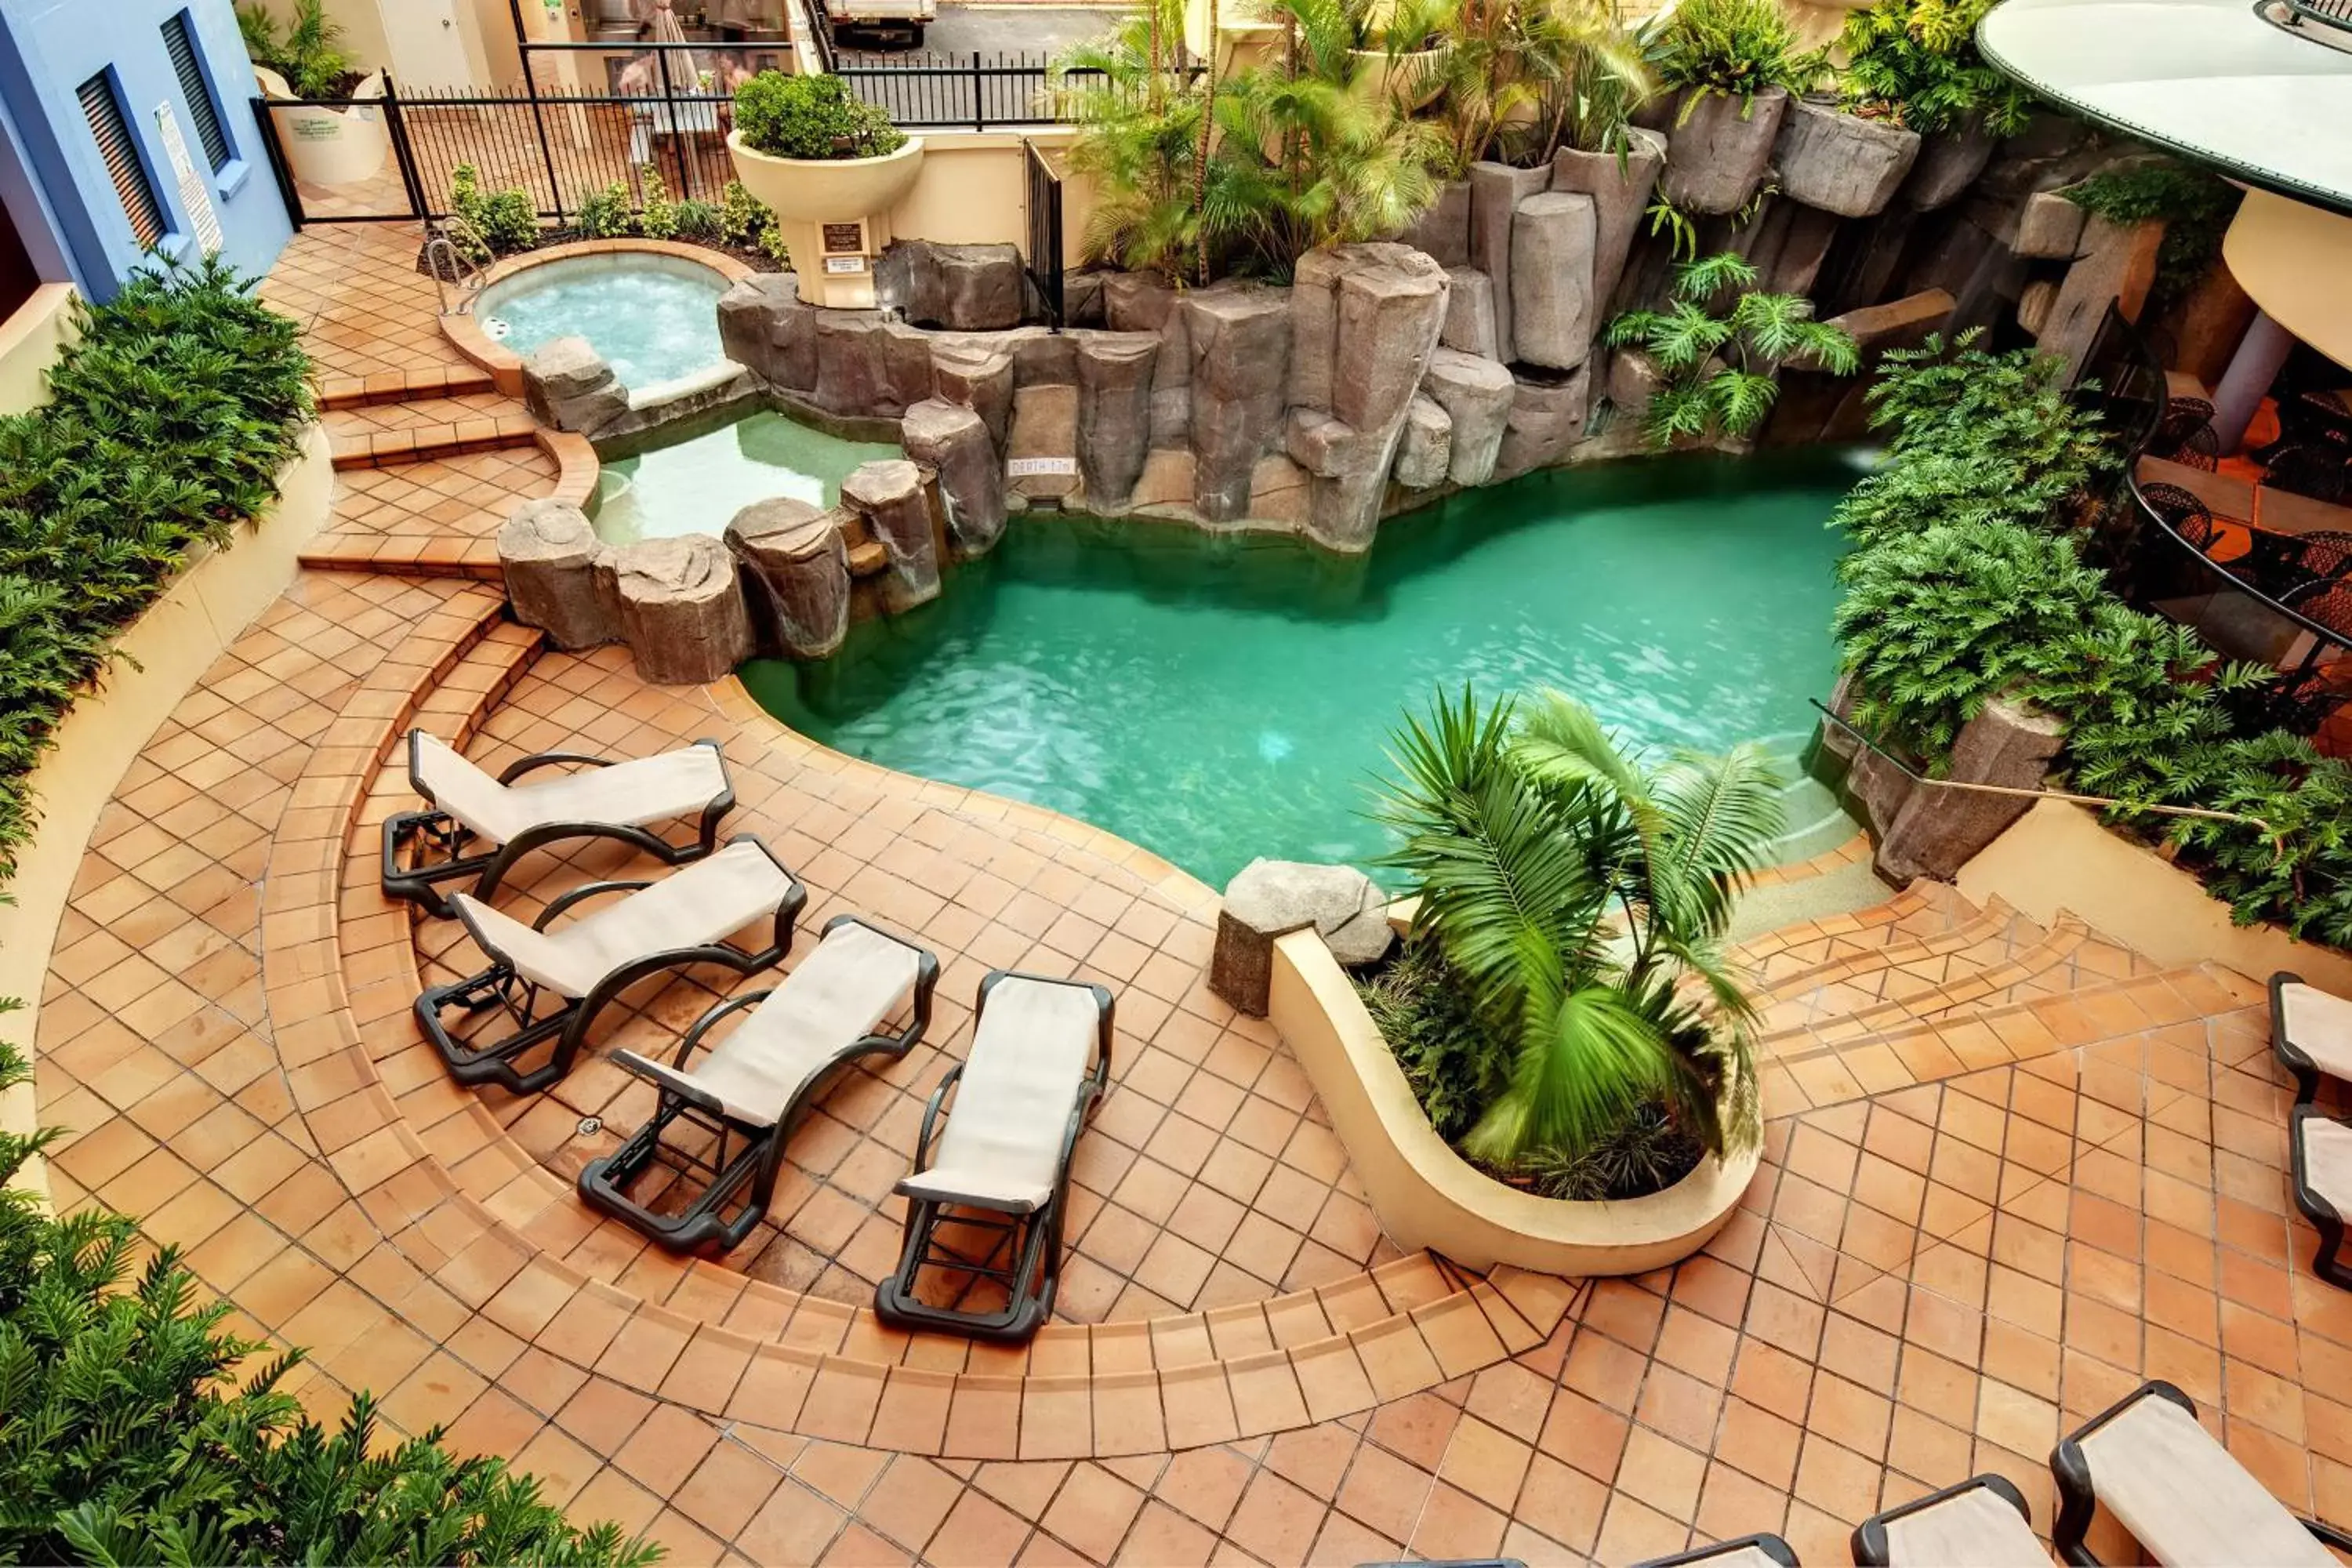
(2008, 1172)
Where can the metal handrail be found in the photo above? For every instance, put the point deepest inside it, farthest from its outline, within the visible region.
(2337, 13)
(464, 276)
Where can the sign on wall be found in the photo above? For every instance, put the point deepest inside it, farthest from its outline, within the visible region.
(195, 198)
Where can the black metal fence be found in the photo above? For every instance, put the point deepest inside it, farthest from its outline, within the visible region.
(971, 92)
(1043, 251)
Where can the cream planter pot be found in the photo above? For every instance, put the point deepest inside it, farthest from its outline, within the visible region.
(330, 146)
(810, 195)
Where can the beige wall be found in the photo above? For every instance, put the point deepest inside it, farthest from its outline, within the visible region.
(170, 646)
(489, 40)
(30, 341)
(974, 190)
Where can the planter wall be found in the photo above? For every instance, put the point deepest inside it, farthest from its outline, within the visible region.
(1716, 156)
(1427, 1195)
(806, 193)
(330, 146)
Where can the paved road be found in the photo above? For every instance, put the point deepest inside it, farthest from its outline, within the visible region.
(1014, 29)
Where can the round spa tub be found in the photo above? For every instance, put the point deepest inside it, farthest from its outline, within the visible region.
(652, 313)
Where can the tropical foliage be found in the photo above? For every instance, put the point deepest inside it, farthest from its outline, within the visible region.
(2195, 207)
(1916, 62)
(1580, 895)
(1736, 48)
(1522, 78)
(133, 1429)
(167, 424)
(812, 117)
(1716, 361)
(482, 225)
(305, 52)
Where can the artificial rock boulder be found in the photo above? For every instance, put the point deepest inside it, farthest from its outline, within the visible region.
(961, 288)
(1143, 302)
(889, 494)
(1427, 448)
(1716, 156)
(1477, 395)
(1115, 377)
(1937, 831)
(1470, 313)
(1239, 335)
(1621, 190)
(1842, 164)
(567, 384)
(677, 604)
(1950, 163)
(2050, 226)
(1496, 192)
(1269, 899)
(1040, 455)
(1552, 304)
(1547, 417)
(2116, 266)
(548, 551)
(979, 377)
(798, 562)
(764, 326)
(1367, 319)
(868, 366)
(955, 442)
(1444, 231)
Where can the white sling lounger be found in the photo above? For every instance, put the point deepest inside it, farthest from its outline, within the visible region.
(669, 924)
(1748, 1551)
(746, 1089)
(2311, 1033)
(467, 808)
(1040, 1060)
(1980, 1524)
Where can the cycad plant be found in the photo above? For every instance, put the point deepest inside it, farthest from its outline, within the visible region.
(1716, 364)
(1581, 895)
(1736, 48)
(1916, 62)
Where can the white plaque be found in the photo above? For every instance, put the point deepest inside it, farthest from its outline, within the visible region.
(844, 264)
(1038, 467)
(194, 196)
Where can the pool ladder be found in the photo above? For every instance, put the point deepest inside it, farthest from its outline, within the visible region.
(453, 274)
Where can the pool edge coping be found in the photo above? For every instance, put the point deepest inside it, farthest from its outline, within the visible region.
(505, 366)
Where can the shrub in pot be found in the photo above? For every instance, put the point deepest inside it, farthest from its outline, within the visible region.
(811, 118)
(1735, 63)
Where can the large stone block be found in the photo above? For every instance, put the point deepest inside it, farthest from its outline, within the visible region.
(1937, 831)
(2115, 267)
(1470, 313)
(1426, 450)
(1476, 395)
(764, 327)
(2050, 226)
(1140, 303)
(962, 287)
(1621, 190)
(1444, 231)
(955, 442)
(1239, 335)
(1716, 156)
(1841, 162)
(1496, 192)
(1552, 238)
(567, 384)
(1041, 457)
(680, 608)
(867, 367)
(977, 377)
(798, 565)
(1392, 310)
(1115, 377)
(1950, 163)
(1547, 417)
(888, 493)
(1315, 324)
(1268, 898)
(547, 550)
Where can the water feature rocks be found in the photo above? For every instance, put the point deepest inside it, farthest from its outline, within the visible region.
(1392, 310)
(888, 495)
(1115, 377)
(868, 366)
(679, 607)
(1239, 335)
(1470, 313)
(955, 442)
(1268, 898)
(1476, 395)
(2050, 226)
(764, 326)
(1427, 448)
(796, 556)
(1552, 238)
(1040, 461)
(1619, 189)
(1314, 325)
(1950, 163)
(548, 553)
(1143, 302)
(962, 288)
(1365, 321)
(977, 378)
(1841, 162)
(2116, 266)
(567, 384)
(1937, 831)
(1716, 156)
(1547, 416)
(1496, 192)
(1444, 231)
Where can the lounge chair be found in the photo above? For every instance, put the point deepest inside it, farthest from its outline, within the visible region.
(670, 924)
(1040, 1060)
(746, 1091)
(1748, 1551)
(1983, 1522)
(478, 827)
(2178, 1491)
(2311, 1033)
(2319, 1156)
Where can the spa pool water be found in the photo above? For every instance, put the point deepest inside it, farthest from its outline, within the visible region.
(1216, 699)
(698, 485)
(652, 326)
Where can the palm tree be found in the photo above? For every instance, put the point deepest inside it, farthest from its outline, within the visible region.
(1140, 140)
(1582, 895)
(1528, 76)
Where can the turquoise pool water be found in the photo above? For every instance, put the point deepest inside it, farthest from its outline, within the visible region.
(1215, 700)
(698, 485)
(650, 326)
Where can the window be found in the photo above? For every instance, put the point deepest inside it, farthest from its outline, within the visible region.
(180, 43)
(124, 164)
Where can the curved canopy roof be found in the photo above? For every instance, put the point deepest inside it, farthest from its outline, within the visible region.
(2211, 80)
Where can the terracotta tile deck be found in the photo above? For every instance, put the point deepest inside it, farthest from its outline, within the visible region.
(2008, 1172)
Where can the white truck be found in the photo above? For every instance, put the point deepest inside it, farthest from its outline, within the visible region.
(882, 20)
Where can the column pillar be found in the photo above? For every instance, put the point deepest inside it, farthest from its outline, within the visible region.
(2252, 368)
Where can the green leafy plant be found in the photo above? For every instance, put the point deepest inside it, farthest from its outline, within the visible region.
(1524, 78)
(698, 219)
(1716, 364)
(1647, 1153)
(2194, 206)
(811, 117)
(306, 53)
(1456, 1065)
(482, 226)
(604, 215)
(1734, 48)
(658, 220)
(1581, 895)
(742, 215)
(1915, 62)
(1141, 122)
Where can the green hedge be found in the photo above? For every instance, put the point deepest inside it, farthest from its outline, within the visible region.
(167, 425)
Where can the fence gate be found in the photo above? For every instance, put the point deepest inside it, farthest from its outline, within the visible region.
(1042, 256)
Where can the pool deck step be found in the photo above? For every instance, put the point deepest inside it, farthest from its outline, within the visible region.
(404, 385)
(359, 446)
(449, 556)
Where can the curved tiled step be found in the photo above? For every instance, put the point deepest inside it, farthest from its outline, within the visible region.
(1916, 976)
(439, 515)
(412, 430)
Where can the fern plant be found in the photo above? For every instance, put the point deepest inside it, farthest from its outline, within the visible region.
(1915, 62)
(1717, 365)
(2194, 206)
(1734, 47)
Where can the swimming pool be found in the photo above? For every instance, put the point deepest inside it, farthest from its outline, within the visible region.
(1216, 699)
(654, 318)
(699, 484)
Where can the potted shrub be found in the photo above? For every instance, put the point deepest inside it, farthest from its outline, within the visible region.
(812, 152)
(324, 145)
(1735, 63)
(1915, 62)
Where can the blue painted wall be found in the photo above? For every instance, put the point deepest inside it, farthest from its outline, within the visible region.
(47, 49)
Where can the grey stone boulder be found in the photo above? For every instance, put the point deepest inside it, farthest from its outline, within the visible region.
(1082, 300)
(1476, 395)
(961, 288)
(2116, 266)
(955, 443)
(1547, 417)
(1444, 231)
(868, 367)
(1716, 156)
(1392, 310)
(977, 377)
(1115, 377)
(1496, 192)
(2050, 226)
(1470, 313)
(887, 494)
(1426, 450)
(1950, 163)
(547, 551)
(2033, 303)
(1040, 455)
(1315, 324)
(1239, 335)
(1269, 899)
(797, 563)
(1841, 162)
(1937, 831)
(1043, 358)
(566, 385)
(1552, 303)
(1620, 191)
(766, 328)
(679, 606)
(1141, 302)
